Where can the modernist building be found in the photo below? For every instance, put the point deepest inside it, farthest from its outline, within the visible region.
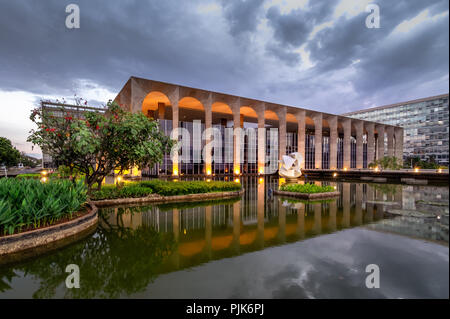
(326, 141)
(425, 122)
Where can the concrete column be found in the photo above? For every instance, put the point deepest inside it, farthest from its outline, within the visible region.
(236, 107)
(208, 231)
(318, 140)
(281, 222)
(261, 139)
(370, 127)
(359, 144)
(369, 206)
(281, 132)
(301, 221)
(358, 204)
(236, 226)
(390, 138)
(301, 136)
(317, 218)
(398, 132)
(208, 127)
(347, 124)
(380, 142)
(346, 205)
(332, 218)
(260, 212)
(333, 141)
(175, 257)
(175, 121)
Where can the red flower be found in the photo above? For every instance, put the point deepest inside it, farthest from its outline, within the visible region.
(97, 127)
(47, 129)
(52, 130)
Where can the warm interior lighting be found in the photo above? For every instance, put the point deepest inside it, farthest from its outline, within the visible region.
(237, 180)
(237, 171)
(208, 172)
(440, 170)
(416, 170)
(345, 168)
(175, 172)
(261, 170)
(334, 174)
(376, 169)
(261, 180)
(334, 187)
(119, 179)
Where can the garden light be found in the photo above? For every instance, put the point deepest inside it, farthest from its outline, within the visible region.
(416, 170)
(334, 174)
(44, 179)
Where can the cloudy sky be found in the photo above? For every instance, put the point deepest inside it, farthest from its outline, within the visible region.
(314, 54)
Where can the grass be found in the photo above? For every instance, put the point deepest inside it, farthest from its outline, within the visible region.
(306, 188)
(26, 204)
(163, 188)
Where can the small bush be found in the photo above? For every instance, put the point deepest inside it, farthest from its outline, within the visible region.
(163, 188)
(306, 188)
(131, 190)
(172, 188)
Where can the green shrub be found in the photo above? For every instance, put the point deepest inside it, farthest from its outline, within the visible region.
(306, 188)
(172, 188)
(126, 191)
(28, 203)
(163, 188)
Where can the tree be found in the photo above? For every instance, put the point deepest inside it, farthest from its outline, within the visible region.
(387, 162)
(9, 155)
(100, 144)
(29, 161)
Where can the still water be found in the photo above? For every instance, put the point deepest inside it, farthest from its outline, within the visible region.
(257, 246)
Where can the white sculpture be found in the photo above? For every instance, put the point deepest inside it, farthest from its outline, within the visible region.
(290, 166)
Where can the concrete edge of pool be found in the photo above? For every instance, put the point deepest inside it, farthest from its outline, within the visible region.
(308, 195)
(45, 237)
(155, 198)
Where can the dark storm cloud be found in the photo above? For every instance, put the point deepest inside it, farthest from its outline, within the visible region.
(224, 50)
(242, 15)
(291, 29)
(288, 57)
(155, 39)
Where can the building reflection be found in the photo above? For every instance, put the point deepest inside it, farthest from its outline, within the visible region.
(256, 221)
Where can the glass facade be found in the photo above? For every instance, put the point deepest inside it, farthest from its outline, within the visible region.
(425, 124)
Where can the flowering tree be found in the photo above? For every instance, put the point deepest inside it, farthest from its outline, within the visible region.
(97, 144)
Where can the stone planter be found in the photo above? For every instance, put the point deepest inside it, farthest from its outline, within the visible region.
(36, 241)
(155, 198)
(307, 195)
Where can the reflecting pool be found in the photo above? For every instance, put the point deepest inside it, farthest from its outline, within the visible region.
(256, 246)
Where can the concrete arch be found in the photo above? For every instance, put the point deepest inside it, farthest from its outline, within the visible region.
(271, 118)
(249, 114)
(221, 112)
(190, 109)
(156, 105)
